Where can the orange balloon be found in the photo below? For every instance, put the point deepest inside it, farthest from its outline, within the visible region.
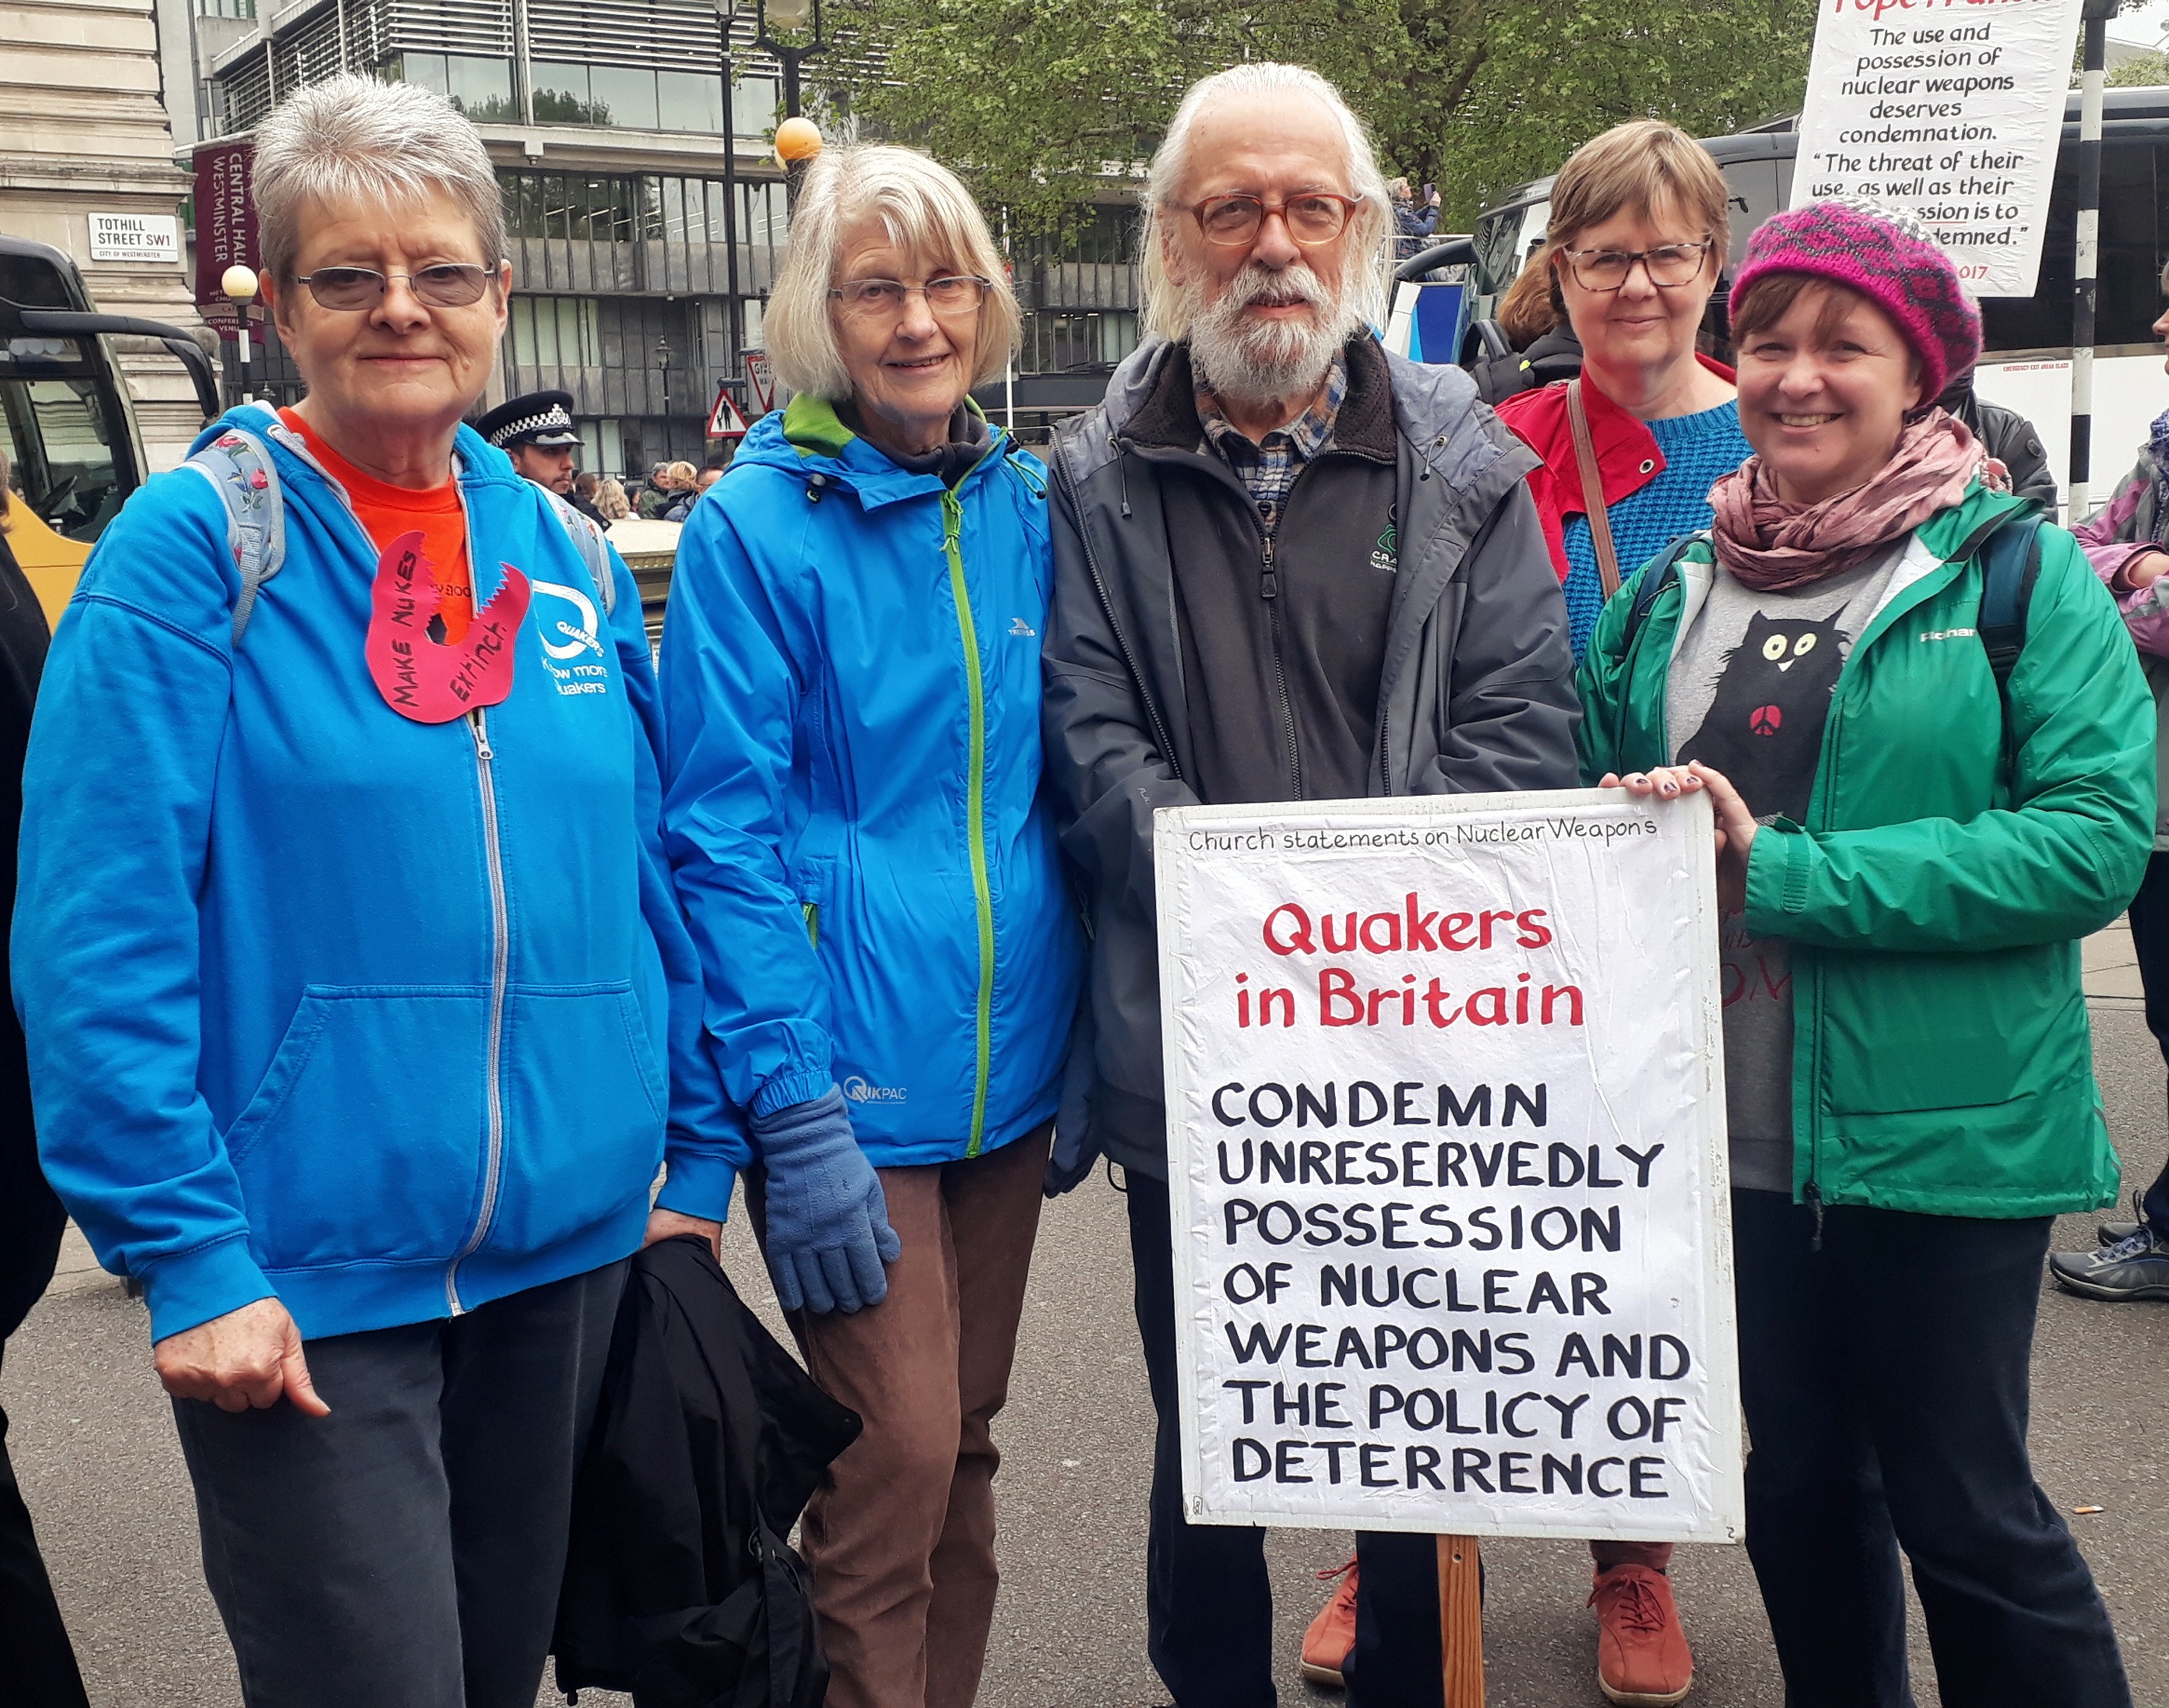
(797, 139)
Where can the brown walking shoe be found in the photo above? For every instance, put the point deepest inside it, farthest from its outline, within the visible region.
(1642, 1660)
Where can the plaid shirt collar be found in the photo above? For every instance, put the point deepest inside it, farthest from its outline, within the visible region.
(1268, 469)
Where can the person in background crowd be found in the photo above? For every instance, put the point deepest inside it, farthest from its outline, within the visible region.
(684, 489)
(39, 1658)
(2128, 542)
(1263, 424)
(537, 432)
(854, 813)
(658, 495)
(1544, 346)
(708, 478)
(585, 484)
(1638, 234)
(1917, 873)
(1411, 222)
(373, 1119)
(2005, 435)
(611, 500)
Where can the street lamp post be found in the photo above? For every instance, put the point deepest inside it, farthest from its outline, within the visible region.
(725, 10)
(794, 16)
(239, 284)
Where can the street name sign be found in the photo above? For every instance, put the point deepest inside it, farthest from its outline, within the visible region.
(1446, 1165)
(135, 237)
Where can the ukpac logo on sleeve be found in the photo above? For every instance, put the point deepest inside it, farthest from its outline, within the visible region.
(567, 622)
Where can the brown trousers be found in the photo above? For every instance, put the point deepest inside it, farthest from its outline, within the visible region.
(901, 1534)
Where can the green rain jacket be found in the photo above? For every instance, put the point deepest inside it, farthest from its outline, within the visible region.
(1953, 857)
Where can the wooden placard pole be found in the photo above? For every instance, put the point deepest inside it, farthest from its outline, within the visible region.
(1461, 1620)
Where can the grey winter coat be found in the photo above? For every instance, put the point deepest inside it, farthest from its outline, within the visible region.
(1475, 690)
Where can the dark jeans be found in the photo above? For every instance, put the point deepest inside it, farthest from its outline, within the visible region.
(1885, 1382)
(1208, 1604)
(2149, 922)
(408, 1548)
(35, 1659)
(39, 1664)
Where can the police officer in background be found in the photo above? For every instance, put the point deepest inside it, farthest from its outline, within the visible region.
(537, 432)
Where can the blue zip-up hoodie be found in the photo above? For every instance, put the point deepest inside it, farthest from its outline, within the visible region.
(850, 680)
(324, 1003)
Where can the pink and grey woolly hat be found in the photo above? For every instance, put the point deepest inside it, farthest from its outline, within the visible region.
(1890, 259)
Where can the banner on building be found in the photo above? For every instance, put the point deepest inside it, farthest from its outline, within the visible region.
(1951, 109)
(1446, 1164)
(226, 228)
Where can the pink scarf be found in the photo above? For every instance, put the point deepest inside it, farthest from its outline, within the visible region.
(1770, 546)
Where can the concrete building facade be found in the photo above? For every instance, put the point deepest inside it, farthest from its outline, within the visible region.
(87, 166)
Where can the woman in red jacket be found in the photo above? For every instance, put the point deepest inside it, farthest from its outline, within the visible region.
(1637, 240)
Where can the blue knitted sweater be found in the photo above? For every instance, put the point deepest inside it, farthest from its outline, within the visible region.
(1699, 450)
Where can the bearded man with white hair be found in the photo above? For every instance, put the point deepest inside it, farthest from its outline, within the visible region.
(1287, 566)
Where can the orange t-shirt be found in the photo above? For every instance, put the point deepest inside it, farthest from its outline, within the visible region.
(389, 511)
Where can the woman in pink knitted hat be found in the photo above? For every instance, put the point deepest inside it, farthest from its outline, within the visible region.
(1929, 748)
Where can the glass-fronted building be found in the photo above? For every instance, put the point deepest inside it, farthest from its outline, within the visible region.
(604, 118)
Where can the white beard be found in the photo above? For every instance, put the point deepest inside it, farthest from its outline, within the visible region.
(1255, 362)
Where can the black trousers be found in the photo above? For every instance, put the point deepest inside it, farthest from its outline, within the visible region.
(2149, 922)
(1885, 1379)
(1208, 1603)
(36, 1662)
(409, 1548)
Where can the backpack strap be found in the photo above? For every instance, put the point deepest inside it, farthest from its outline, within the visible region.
(1652, 578)
(241, 471)
(587, 539)
(2010, 558)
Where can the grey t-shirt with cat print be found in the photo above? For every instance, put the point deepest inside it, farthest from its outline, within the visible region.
(1748, 695)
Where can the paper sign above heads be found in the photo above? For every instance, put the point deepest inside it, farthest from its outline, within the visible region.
(1949, 109)
(1446, 1165)
(421, 677)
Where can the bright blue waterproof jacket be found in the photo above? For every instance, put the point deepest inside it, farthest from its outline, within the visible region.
(324, 1003)
(850, 680)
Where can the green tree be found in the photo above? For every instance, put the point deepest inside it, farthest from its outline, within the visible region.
(1038, 101)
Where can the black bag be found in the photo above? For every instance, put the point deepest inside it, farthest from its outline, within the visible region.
(709, 1440)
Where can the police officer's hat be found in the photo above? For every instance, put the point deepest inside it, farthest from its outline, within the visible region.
(539, 418)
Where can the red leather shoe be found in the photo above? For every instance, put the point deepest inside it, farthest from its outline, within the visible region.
(1642, 1658)
(1331, 1636)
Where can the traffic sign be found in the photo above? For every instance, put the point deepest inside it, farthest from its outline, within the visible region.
(725, 421)
(760, 382)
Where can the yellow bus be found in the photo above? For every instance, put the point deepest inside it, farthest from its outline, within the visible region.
(66, 419)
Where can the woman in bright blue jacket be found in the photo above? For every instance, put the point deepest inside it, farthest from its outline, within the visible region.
(852, 686)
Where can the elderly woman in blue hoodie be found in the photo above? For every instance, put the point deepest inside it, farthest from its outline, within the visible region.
(346, 951)
(852, 687)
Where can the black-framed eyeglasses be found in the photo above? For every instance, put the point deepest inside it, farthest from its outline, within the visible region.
(1314, 217)
(451, 284)
(1669, 265)
(883, 299)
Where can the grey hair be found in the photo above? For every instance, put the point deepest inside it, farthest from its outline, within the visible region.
(1166, 313)
(927, 211)
(351, 138)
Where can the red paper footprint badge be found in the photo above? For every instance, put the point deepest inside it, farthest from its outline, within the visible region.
(426, 679)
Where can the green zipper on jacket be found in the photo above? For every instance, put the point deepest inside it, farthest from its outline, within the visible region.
(953, 523)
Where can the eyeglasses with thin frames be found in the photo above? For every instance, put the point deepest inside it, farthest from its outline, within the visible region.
(1315, 216)
(451, 284)
(884, 299)
(1669, 265)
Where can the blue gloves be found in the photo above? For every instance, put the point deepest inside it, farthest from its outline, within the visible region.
(829, 1231)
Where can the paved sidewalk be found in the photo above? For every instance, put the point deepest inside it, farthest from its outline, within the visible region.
(93, 1443)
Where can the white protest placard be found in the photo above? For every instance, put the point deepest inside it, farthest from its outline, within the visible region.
(135, 237)
(1950, 109)
(1446, 1164)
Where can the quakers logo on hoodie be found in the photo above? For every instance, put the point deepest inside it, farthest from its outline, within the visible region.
(568, 628)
